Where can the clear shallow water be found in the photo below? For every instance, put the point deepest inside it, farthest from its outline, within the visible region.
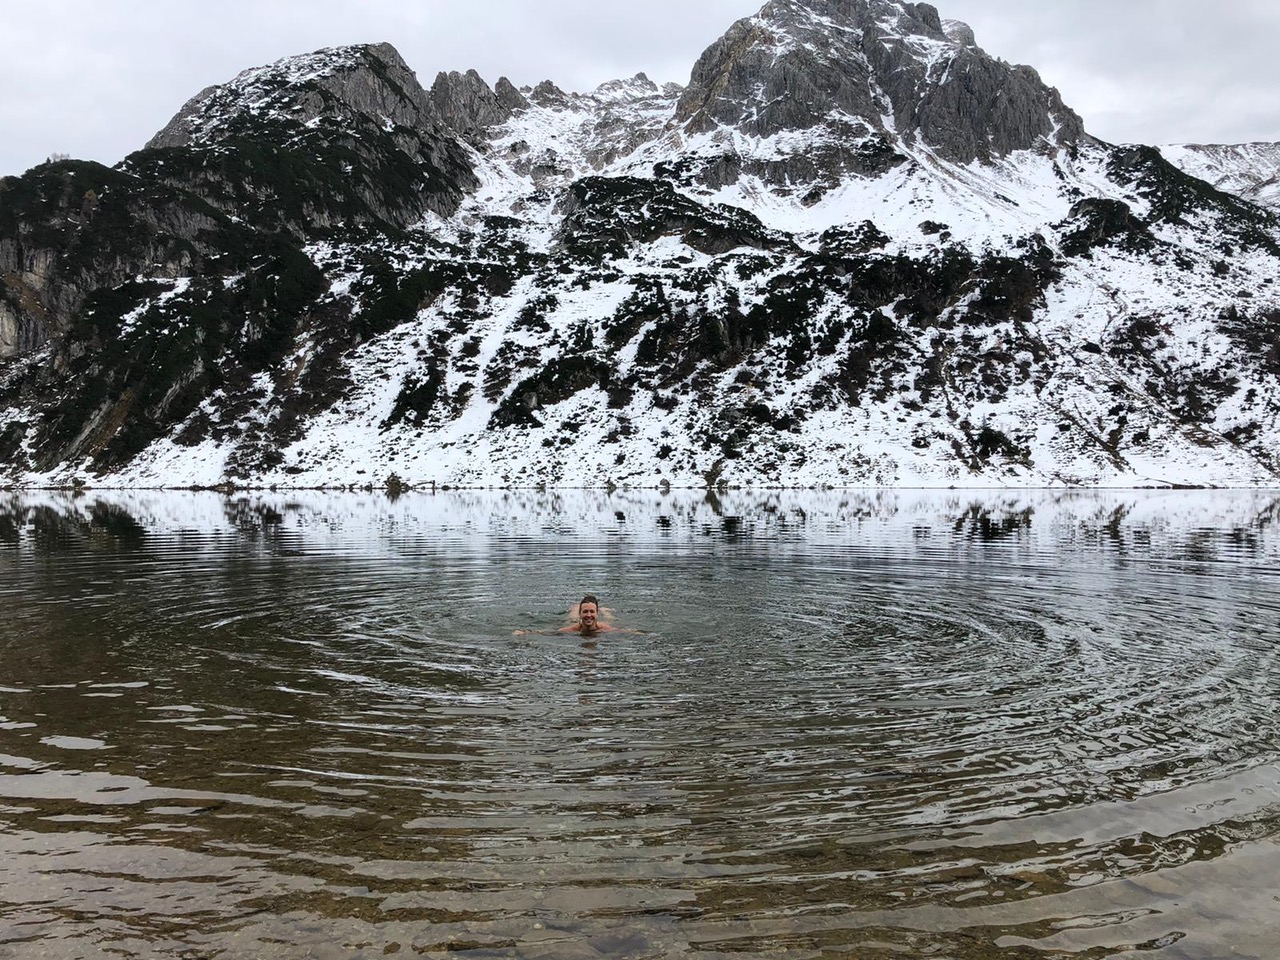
(935, 725)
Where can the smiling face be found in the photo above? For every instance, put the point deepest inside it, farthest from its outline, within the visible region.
(588, 617)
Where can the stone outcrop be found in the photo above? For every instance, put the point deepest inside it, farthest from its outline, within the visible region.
(890, 68)
(350, 127)
(509, 96)
(24, 323)
(71, 228)
(547, 94)
(351, 83)
(465, 104)
(1097, 221)
(602, 216)
(959, 32)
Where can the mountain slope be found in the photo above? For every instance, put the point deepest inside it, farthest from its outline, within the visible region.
(854, 250)
(1248, 170)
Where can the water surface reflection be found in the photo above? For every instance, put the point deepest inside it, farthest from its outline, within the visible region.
(872, 725)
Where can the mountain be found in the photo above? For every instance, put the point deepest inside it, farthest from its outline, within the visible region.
(1248, 170)
(865, 74)
(855, 249)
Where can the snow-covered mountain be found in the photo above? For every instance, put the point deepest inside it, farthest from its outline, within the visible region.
(1248, 170)
(854, 250)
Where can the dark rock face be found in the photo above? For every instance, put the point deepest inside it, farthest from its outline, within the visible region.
(223, 197)
(70, 228)
(338, 136)
(466, 105)
(121, 385)
(547, 94)
(887, 67)
(603, 216)
(1098, 221)
(22, 327)
(151, 298)
(509, 96)
(848, 150)
(1177, 197)
(348, 83)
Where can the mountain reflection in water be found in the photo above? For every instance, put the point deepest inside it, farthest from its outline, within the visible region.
(898, 724)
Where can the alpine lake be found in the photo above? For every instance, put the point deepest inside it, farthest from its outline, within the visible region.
(1013, 724)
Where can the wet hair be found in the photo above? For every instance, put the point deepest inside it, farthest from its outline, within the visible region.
(589, 598)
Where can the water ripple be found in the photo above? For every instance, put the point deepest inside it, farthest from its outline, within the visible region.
(851, 725)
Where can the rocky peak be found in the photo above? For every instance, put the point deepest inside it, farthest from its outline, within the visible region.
(557, 135)
(366, 82)
(634, 88)
(466, 104)
(509, 96)
(893, 69)
(547, 94)
(339, 136)
(958, 31)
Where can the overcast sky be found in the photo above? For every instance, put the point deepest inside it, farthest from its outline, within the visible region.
(96, 78)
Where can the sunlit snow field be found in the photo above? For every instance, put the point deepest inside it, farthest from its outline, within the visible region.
(873, 725)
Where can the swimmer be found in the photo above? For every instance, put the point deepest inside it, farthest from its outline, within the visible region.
(587, 614)
(589, 623)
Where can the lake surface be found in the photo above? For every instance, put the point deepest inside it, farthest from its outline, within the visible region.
(884, 725)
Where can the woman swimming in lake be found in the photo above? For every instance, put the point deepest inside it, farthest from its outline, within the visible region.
(587, 622)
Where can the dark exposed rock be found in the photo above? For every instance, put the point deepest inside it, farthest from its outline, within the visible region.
(788, 69)
(603, 215)
(25, 325)
(420, 394)
(1176, 196)
(335, 137)
(465, 104)
(820, 167)
(1258, 336)
(1099, 221)
(509, 96)
(558, 381)
(70, 228)
(1010, 288)
(118, 386)
(368, 82)
(853, 241)
(547, 94)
